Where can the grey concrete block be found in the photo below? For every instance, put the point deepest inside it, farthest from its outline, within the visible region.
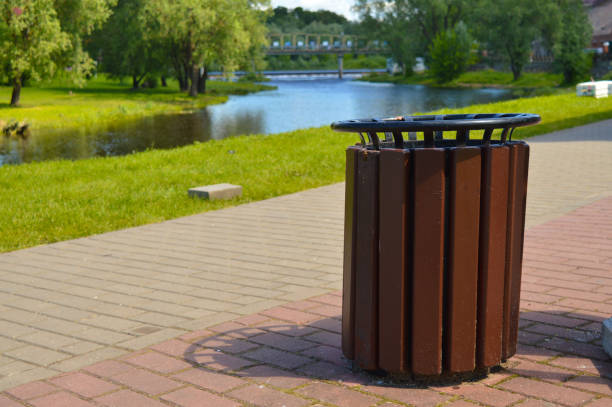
(217, 191)
(606, 336)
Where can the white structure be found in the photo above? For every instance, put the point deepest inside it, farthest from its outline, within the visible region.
(597, 89)
(393, 67)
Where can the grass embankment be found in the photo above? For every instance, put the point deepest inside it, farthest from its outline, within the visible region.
(102, 101)
(484, 78)
(52, 201)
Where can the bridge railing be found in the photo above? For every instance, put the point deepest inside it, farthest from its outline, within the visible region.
(303, 42)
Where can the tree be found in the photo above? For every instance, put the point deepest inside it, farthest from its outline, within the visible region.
(40, 37)
(79, 18)
(450, 53)
(509, 27)
(283, 20)
(205, 31)
(419, 20)
(574, 33)
(124, 48)
(31, 37)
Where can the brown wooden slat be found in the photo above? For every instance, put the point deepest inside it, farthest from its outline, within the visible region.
(392, 312)
(462, 265)
(517, 195)
(348, 281)
(427, 260)
(492, 254)
(366, 261)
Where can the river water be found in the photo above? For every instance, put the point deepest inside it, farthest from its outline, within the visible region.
(297, 103)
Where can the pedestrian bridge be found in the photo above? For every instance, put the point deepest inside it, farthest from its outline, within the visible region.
(312, 44)
(316, 44)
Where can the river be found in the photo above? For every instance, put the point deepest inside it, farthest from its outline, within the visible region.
(296, 103)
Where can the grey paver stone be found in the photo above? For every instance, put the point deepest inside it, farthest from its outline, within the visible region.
(216, 191)
(37, 355)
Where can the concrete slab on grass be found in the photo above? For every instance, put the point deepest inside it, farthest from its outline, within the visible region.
(217, 191)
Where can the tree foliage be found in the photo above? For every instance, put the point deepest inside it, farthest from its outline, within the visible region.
(78, 19)
(450, 53)
(203, 31)
(423, 19)
(123, 47)
(574, 33)
(509, 28)
(284, 20)
(40, 37)
(31, 36)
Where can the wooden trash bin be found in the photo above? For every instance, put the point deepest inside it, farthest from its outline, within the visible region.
(433, 242)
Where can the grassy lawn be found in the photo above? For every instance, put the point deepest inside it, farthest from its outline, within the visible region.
(102, 101)
(52, 201)
(483, 78)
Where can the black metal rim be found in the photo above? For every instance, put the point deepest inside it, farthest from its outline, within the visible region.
(448, 122)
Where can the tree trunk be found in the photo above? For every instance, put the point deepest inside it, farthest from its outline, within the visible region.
(163, 81)
(135, 82)
(516, 70)
(181, 81)
(16, 91)
(202, 81)
(195, 78)
(186, 76)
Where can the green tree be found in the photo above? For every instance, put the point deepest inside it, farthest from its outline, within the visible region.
(124, 48)
(205, 31)
(31, 37)
(38, 38)
(284, 20)
(450, 53)
(573, 36)
(419, 20)
(398, 32)
(78, 19)
(509, 27)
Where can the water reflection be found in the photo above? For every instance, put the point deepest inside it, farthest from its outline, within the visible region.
(295, 104)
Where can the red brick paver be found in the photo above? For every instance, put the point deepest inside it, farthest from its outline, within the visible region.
(290, 355)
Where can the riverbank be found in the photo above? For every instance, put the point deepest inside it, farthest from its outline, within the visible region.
(534, 83)
(102, 101)
(59, 200)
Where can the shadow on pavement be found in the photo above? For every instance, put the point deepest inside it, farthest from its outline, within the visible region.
(288, 355)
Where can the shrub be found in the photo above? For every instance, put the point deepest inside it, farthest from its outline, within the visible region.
(450, 54)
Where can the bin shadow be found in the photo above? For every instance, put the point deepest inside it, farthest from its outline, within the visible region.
(282, 354)
(561, 346)
(289, 355)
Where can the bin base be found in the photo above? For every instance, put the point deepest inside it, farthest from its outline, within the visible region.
(445, 378)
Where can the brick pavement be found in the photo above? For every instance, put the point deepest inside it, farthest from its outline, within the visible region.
(290, 355)
(67, 305)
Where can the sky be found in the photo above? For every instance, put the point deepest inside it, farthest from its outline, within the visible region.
(338, 6)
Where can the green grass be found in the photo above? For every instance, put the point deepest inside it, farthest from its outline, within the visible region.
(476, 79)
(102, 101)
(58, 200)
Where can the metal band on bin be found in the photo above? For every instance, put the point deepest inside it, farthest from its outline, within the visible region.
(449, 122)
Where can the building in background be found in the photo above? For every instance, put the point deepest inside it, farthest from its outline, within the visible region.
(600, 15)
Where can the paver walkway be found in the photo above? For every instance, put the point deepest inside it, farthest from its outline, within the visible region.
(67, 305)
(290, 355)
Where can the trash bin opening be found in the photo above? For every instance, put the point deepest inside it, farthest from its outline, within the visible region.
(449, 130)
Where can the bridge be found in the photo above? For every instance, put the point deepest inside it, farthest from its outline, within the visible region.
(316, 44)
